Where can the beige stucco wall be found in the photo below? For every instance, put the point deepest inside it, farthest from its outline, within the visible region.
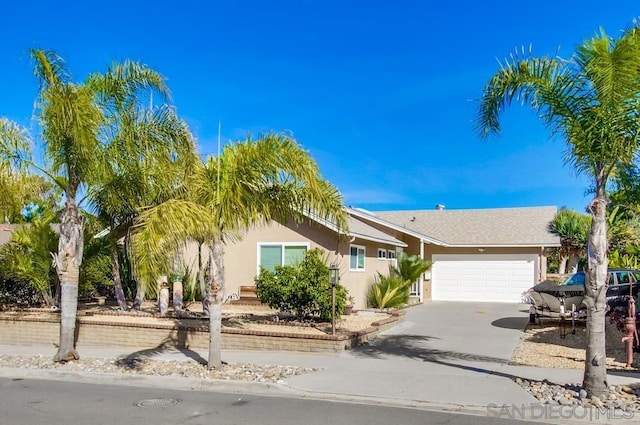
(241, 257)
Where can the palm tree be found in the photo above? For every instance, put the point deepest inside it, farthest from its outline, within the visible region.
(250, 183)
(573, 229)
(148, 157)
(73, 119)
(592, 100)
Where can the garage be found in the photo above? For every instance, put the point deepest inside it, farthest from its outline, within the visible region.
(482, 277)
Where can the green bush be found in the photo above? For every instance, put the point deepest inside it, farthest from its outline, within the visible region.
(302, 290)
(17, 291)
(27, 259)
(96, 276)
(388, 292)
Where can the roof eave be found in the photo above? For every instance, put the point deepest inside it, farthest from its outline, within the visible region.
(423, 238)
(379, 240)
(477, 245)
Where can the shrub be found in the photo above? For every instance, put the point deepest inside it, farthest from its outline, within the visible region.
(302, 290)
(27, 259)
(96, 277)
(388, 292)
(17, 291)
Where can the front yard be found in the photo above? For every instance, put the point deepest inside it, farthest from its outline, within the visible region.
(544, 347)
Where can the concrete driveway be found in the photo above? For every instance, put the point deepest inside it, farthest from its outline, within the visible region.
(444, 352)
(453, 332)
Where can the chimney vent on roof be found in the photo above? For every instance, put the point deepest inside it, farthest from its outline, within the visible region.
(440, 207)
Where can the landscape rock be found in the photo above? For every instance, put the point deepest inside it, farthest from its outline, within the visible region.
(618, 397)
(144, 366)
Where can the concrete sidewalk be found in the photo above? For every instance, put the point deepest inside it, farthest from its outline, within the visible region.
(472, 388)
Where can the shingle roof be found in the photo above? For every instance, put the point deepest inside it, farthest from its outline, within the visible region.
(481, 227)
(362, 230)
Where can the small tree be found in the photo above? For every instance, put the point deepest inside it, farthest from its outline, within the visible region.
(303, 289)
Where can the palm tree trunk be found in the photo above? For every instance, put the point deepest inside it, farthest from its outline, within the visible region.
(137, 302)
(595, 371)
(115, 270)
(139, 298)
(562, 264)
(68, 261)
(204, 289)
(216, 295)
(572, 264)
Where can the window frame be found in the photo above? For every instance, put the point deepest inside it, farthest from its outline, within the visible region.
(364, 257)
(382, 251)
(283, 245)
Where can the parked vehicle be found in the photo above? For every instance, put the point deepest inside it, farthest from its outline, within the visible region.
(615, 278)
(576, 279)
(620, 284)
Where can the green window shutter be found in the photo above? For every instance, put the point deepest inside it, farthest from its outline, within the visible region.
(293, 254)
(270, 256)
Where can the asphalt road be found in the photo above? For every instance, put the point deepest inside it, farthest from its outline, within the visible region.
(35, 402)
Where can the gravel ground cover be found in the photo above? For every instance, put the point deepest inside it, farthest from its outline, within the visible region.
(546, 347)
(144, 366)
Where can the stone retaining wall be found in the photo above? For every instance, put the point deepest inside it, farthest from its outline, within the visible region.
(178, 334)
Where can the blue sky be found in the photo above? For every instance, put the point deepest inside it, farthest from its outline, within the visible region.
(381, 93)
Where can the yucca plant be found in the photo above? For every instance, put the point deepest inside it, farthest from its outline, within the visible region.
(388, 291)
(410, 267)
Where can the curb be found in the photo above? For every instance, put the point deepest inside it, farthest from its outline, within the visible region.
(271, 390)
(228, 386)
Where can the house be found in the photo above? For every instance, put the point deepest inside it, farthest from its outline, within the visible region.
(477, 255)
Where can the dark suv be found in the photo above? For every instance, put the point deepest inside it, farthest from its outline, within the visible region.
(622, 281)
(618, 281)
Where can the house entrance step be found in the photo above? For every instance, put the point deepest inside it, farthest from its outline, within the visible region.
(248, 296)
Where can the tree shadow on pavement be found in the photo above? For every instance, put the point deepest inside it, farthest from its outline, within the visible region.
(413, 347)
(135, 360)
(517, 323)
(409, 346)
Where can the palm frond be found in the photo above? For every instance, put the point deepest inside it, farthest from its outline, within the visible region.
(15, 145)
(161, 231)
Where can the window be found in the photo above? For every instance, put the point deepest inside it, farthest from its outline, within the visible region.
(271, 255)
(356, 258)
(382, 253)
(391, 254)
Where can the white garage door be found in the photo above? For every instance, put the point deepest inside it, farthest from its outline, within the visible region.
(483, 277)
